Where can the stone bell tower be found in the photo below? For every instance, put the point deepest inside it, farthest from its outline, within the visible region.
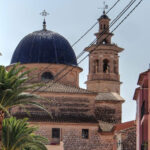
(104, 61)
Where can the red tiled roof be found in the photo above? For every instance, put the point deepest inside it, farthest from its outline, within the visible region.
(124, 125)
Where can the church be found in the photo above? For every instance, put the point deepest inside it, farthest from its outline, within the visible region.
(81, 119)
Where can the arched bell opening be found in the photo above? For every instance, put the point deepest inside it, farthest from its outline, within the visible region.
(106, 67)
(96, 66)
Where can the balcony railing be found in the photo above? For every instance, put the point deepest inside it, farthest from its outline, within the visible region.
(55, 141)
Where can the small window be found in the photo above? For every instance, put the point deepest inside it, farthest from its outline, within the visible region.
(85, 133)
(55, 133)
(47, 76)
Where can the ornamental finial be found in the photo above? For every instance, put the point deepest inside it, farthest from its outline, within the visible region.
(44, 14)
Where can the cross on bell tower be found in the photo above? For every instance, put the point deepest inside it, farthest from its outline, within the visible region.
(104, 8)
(104, 60)
(104, 36)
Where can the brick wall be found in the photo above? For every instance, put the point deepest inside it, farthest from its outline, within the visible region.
(127, 138)
(108, 112)
(71, 135)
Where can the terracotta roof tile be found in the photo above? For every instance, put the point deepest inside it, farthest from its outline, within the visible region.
(62, 88)
(125, 125)
(38, 117)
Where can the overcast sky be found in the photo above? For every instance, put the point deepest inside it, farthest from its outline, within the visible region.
(71, 18)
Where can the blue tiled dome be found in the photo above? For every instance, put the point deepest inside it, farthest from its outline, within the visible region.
(44, 47)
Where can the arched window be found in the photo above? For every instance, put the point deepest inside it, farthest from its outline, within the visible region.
(106, 68)
(47, 76)
(96, 66)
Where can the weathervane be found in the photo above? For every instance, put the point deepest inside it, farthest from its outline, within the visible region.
(104, 8)
(44, 13)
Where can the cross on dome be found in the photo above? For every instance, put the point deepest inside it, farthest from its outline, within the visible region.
(44, 13)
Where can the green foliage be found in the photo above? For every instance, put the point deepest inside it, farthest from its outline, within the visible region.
(13, 88)
(18, 135)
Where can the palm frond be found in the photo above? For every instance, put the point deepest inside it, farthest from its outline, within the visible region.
(17, 134)
(12, 87)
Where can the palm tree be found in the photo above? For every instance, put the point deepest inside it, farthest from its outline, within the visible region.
(12, 90)
(18, 135)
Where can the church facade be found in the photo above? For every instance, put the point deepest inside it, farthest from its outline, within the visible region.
(81, 119)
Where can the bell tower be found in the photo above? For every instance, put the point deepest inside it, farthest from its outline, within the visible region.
(104, 60)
